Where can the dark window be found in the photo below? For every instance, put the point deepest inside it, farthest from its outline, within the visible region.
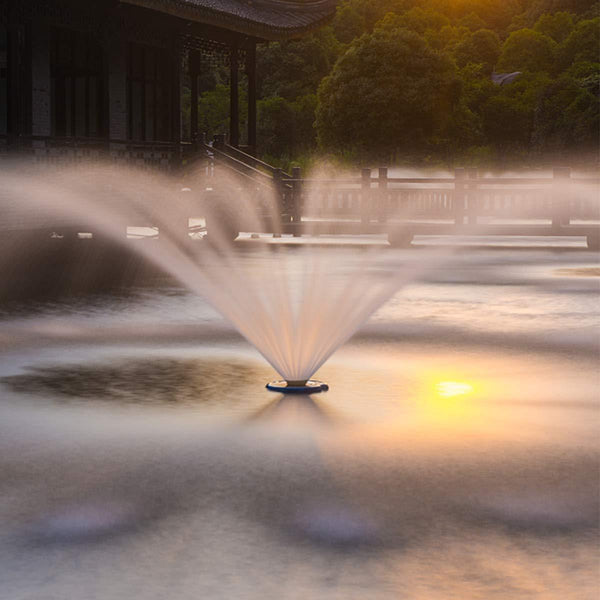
(77, 85)
(3, 81)
(149, 93)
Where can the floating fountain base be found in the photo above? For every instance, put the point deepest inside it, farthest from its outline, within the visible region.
(298, 387)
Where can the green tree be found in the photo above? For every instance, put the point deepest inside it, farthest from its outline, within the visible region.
(213, 111)
(446, 38)
(304, 109)
(582, 44)
(527, 50)
(373, 11)
(557, 26)
(389, 93)
(275, 115)
(507, 123)
(349, 22)
(286, 129)
(533, 10)
(480, 47)
(472, 22)
(495, 15)
(416, 19)
(508, 114)
(294, 68)
(567, 118)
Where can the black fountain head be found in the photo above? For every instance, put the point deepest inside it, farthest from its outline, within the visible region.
(297, 387)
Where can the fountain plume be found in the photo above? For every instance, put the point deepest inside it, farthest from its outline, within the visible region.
(295, 323)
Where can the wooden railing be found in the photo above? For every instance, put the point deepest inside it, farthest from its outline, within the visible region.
(464, 199)
(558, 204)
(375, 202)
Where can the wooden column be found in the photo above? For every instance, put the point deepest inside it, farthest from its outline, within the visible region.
(176, 87)
(251, 73)
(13, 112)
(234, 96)
(40, 78)
(19, 107)
(194, 71)
(118, 113)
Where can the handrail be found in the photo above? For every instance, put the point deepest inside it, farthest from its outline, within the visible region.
(220, 153)
(248, 158)
(242, 174)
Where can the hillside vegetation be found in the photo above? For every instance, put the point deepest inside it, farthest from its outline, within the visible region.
(407, 82)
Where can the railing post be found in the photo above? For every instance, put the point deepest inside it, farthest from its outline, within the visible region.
(382, 187)
(561, 197)
(280, 194)
(210, 162)
(472, 196)
(297, 197)
(459, 196)
(365, 196)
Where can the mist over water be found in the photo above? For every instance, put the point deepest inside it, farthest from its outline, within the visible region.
(455, 454)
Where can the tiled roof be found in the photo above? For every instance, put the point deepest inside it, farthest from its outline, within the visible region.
(268, 19)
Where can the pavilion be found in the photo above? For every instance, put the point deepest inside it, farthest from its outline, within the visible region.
(83, 79)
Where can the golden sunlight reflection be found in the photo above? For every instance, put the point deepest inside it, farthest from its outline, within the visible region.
(449, 398)
(448, 389)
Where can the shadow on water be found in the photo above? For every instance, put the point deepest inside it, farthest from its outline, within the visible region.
(294, 408)
(158, 381)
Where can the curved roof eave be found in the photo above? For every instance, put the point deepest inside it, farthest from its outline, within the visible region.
(267, 19)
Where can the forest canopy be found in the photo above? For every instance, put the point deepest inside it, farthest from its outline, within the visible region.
(406, 81)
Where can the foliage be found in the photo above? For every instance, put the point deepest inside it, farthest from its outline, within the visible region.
(557, 26)
(481, 47)
(386, 95)
(296, 67)
(416, 19)
(411, 80)
(213, 110)
(286, 128)
(508, 114)
(582, 44)
(527, 50)
(567, 117)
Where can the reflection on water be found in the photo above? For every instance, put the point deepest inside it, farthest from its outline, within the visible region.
(150, 381)
(432, 469)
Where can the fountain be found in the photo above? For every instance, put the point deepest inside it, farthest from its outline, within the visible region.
(295, 322)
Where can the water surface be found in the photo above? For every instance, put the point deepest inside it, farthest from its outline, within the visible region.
(455, 455)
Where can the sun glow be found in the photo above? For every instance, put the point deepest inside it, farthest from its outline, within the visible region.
(450, 399)
(450, 389)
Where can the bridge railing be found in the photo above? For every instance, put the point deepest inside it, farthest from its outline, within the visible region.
(464, 199)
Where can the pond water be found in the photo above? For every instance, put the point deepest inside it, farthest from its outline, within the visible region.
(455, 455)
